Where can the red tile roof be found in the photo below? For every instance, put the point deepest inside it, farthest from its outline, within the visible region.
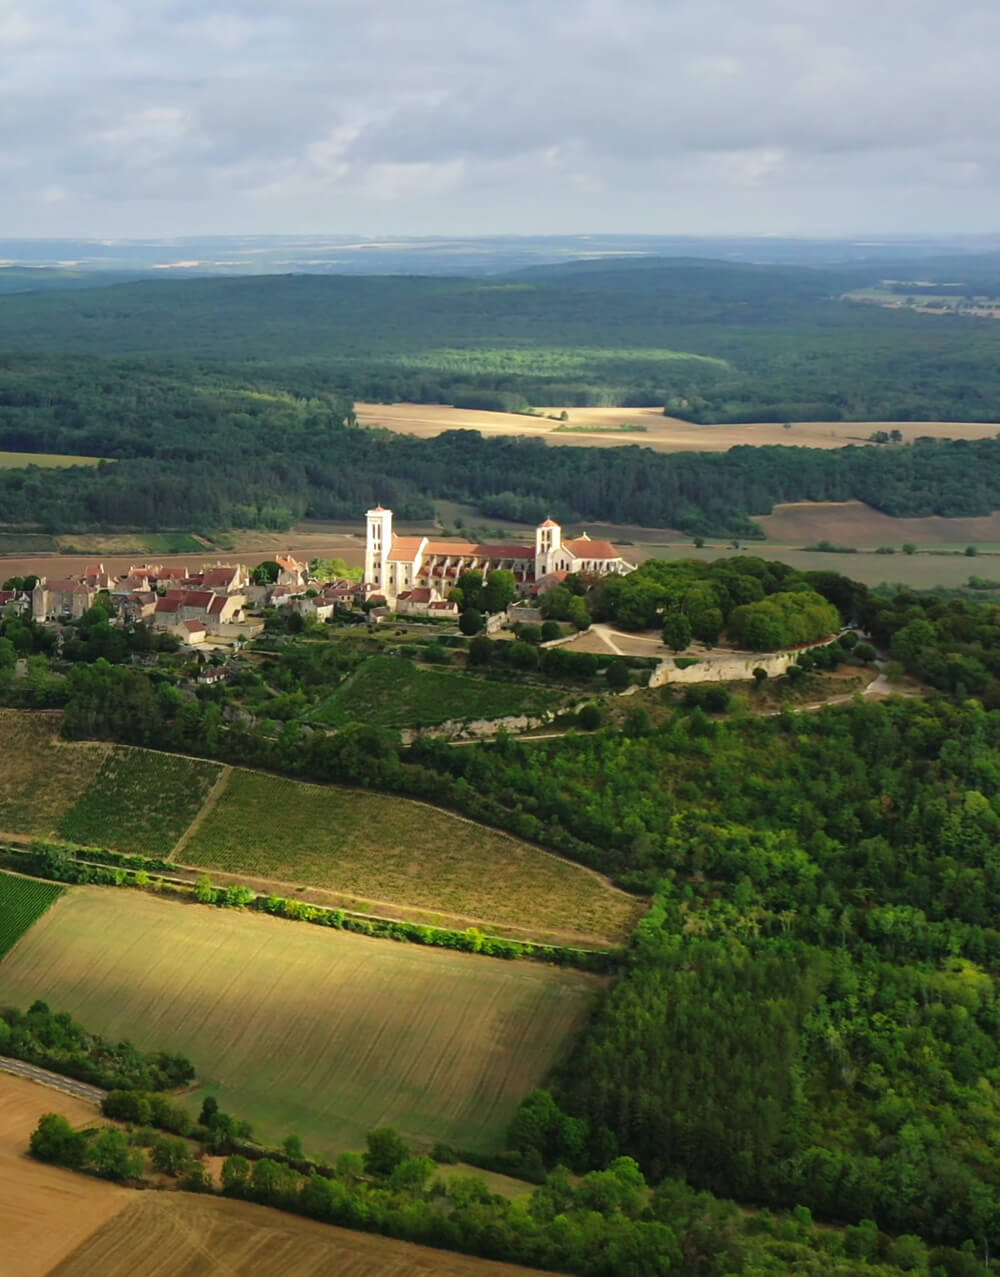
(420, 594)
(505, 551)
(585, 548)
(193, 627)
(549, 523)
(405, 549)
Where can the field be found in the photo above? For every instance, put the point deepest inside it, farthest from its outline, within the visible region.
(391, 854)
(854, 523)
(390, 691)
(22, 903)
(46, 460)
(47, 1212)
(41, 777)
(179, 1235)
(300, 1029)
(139, 801)
(599, 427)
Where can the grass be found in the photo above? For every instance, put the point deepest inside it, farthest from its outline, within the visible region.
(173, 1234)
(624, 427)
(173, 543)
(46, 460)
(41, 776)
(139, 801)
(22, 903)
(300, 1029)
(402, 854)
(390, 691)
(26, 543)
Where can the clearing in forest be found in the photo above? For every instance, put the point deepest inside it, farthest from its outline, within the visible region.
(47, 1211)
(169, 1234)
(393, 851)
(298, 1028)
(44, 460)
(41, 776)
(140, 801)
(390, 691)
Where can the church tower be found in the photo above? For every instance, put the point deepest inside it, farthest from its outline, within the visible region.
(378, 542)
(548, 543)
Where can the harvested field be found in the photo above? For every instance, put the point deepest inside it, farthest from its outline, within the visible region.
(22, 903)
(390, 691)
(301, 1029)
(854, 523)
(41, 776)
(180, 1235)
(47, 1212)
(45, 460)
(140, 801)
(396, 852)
(664, 434)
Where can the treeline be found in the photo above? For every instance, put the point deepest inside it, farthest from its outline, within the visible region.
(53, 1040)
(607, 1223)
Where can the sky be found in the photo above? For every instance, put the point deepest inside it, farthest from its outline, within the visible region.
(451, 117)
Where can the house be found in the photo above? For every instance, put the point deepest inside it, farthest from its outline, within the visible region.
(316, 608)
(226, 578)
(214, 610)
(209, 675)
(13, 602)
(98, 578)
(134, 605)
(292, 572)
(396, 565)
(191, 632)
(59, 600)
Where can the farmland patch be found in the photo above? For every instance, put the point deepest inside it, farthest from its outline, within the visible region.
(140, 801)
(22, 903)
(41, 776)
(393, 851)
(300, 1029)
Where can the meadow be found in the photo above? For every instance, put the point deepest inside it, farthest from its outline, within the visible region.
(296, 1029)
(393, 855)
(171, 1235)
(390, 691)
(47, 1211)
(139, 801)
(22, 903)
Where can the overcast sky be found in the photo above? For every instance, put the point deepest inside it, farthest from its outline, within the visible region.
(155, 117)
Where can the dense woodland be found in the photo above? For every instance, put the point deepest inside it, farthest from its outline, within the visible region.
(208, 449)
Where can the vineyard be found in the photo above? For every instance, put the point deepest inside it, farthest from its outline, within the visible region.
(22, 903)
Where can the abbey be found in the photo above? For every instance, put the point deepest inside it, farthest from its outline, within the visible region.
(397, 565)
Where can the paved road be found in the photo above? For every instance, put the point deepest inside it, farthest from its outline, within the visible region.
(69, 1085)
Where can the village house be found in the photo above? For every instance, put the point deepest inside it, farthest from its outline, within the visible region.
(214, 611)
(292, 572)
(396, 565)
(60, 600)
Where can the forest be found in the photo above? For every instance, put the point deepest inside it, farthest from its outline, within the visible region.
(210, 448)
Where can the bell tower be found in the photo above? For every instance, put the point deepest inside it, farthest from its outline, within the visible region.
(378, 542)
(548, 542)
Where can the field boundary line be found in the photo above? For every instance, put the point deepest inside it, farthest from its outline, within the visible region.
(208, 806)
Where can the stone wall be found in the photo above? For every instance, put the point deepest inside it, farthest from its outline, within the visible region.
(729, 669)
(478, 728)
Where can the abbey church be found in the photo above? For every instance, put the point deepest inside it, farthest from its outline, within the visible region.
(398, 565)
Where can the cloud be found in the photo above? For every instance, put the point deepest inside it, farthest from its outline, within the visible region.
(192, 116)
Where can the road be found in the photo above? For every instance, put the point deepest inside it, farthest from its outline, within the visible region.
(69, 1085)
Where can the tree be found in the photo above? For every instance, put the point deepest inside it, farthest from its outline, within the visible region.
(618, 676)
(909, 547)
(470, 622)
(578, 615)
(551, 630)
(114, 1157)
(235, 1175)
(265, 573)
(590, 717)
(386, 1150)
(480, 650)
(169, 1155)
(204, 892)
(473, 593)
(676, 631)
(501, 590)
(54, 1140)
(292, 1146)
(209, 1110)
(760, 676)
(971, 551)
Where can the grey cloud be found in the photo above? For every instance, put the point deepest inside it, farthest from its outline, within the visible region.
(660, 115)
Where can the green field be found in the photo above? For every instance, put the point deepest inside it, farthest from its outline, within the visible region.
(391, 853)
(390, 691)
(301, 1029)
(172, 543)
(41, 776)
(22, 903)
(139, 801)
(47, 460)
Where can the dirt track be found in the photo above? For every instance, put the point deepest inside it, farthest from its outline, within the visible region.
(68, 1085)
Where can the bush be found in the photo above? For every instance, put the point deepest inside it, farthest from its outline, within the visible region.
(590, 717)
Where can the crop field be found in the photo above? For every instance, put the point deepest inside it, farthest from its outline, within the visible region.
(46, 460)
(22, 903)
(301, 1029)
(600, 427)
(854, 523)
(140, 801)
(47, 1211)
(172, 1235)
(386, 852)
(390, 691)
(41, 776)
